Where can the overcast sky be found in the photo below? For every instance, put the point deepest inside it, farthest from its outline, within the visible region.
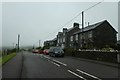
(36, 21)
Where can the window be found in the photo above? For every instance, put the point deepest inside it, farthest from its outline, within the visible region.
(63, 39)
(64, 34)
(81, 36)
(71, 38)
(76, 36)
(63, 46)
(58, 40)
(90, 34)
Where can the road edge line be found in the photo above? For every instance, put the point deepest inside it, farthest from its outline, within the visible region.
(76, 74)
(88, 74)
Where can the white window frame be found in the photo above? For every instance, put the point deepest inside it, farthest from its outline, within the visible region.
(58, 40)
(71, 38)
(63, 39)
(90, 34)
(64, 34)
(76, 37)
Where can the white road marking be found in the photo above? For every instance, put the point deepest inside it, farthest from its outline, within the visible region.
(60, 62)
(56, 61)
(55, 64)
(76, 74)
(46, 57)
(88, 74)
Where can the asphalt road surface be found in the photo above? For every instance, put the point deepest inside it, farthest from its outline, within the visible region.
(36, 66)
(31, 65)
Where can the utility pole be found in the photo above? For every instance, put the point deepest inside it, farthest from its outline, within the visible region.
(33, 47)
(16, 46)
(13, 46)
(39, 42)
(82, 27)
(18, 41)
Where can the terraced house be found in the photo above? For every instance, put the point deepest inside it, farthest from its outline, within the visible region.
(50, 42)
(95, 36)
(64, 38)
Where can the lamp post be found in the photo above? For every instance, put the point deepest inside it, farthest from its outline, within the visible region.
(118, 58)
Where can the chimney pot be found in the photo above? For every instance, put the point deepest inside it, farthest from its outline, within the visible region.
(76, 25)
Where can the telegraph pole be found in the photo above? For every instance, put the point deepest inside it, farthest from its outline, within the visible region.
(39, 42)
(33, 47)
(13, 46)
(16, 46)
(82, 26)
(18, 41)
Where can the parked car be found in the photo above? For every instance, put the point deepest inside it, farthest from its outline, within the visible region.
(56, 52)
(46, 51)
(35, 51)
(40, 51)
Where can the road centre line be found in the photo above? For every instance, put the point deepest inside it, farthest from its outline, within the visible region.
(71, 71)
(60, 62)
(76, 74)
(46, 57)
(56, 61)
(55, 64)
(88, 74)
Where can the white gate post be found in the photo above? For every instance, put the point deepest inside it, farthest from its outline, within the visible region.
(118, 58)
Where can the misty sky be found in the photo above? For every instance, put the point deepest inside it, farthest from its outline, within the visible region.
(36, 21)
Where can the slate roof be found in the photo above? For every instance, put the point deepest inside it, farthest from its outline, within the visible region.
(70, 29)
(90, 27)
(51, 40)
(54, 39)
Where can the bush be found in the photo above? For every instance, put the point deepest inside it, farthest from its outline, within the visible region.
(69, 51)
(107, 48)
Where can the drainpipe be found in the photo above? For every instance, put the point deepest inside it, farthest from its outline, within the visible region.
(118, 58)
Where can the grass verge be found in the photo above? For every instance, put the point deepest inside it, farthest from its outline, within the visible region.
(6, 58)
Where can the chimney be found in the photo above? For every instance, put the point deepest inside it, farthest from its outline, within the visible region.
(64, 30)
(76, 25)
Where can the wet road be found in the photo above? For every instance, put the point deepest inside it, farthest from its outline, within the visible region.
(37, 66)
(43, 66)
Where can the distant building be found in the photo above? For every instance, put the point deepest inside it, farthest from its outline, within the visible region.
(51, 42)
(65, 38)
(95, 36)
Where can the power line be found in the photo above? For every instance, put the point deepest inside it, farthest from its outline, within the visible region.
(75, 17)
(65, 24)
(93, 5)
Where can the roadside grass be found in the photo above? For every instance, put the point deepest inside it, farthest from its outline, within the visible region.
(6, 58)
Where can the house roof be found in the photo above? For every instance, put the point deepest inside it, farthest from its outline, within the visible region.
(90, 27)
(70, 29)
(59, 33)
(52, 40)
(74, 26)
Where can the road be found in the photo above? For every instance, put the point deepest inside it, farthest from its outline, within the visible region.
(36, 66)
(43, 66)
